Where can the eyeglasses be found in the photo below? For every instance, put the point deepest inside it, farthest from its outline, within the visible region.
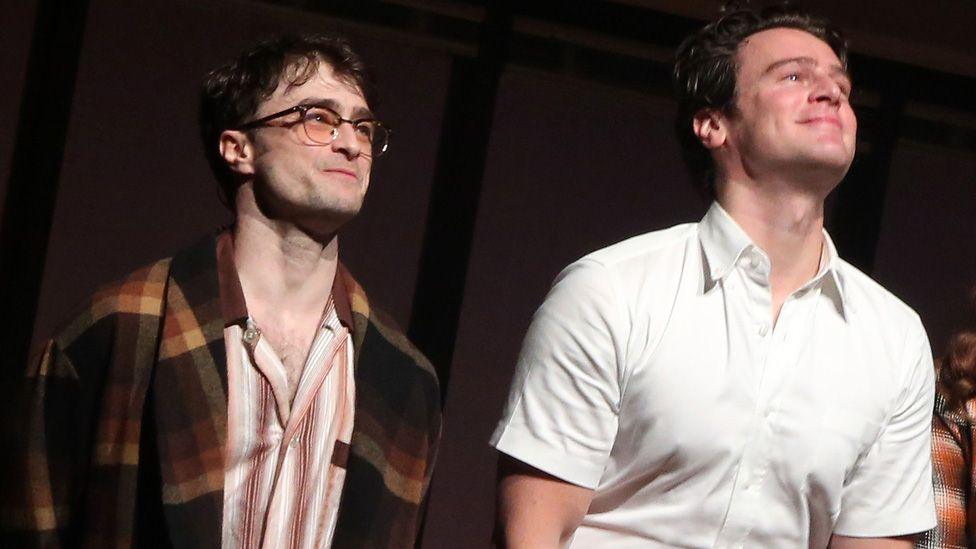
(321, 125)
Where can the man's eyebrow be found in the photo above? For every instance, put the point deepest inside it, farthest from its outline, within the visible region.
(841, 70)
(358, 113)
(790, 60)
(362, 112)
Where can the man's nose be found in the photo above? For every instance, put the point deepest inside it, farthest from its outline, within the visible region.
(825, 88)
(346, 141)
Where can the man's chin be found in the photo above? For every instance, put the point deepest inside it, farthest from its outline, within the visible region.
(332, 215)
(825, 171)
(829, 157)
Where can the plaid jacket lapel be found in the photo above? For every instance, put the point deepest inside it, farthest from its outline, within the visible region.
(189, 393)
(396, 431)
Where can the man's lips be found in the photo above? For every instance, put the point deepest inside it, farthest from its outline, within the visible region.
(342, 171)
(828, 120)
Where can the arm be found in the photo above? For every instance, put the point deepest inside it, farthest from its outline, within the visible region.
(41, 466)
(536, 509)
(561, 418)
(889, 497)
(844, 542)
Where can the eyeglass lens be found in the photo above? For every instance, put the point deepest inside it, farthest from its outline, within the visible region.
(321, 124)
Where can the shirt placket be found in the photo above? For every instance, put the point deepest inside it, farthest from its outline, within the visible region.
(779, 356)
(289, 417)
(744, 505)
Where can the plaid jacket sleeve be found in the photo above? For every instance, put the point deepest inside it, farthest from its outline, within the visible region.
(71, 468)
(952, 472)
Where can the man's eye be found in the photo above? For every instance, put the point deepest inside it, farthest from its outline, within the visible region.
(792, 77)
(365, 128)
(321, 116)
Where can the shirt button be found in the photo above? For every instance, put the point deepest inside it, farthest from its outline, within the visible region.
(294, 442)
(251, 335)
(763, 330)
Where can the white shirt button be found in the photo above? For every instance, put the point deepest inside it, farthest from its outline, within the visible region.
(763, 330)
(294, 442)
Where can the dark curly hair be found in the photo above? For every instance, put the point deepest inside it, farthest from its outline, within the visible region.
(231, 94)
(957, 369)
(705, 69)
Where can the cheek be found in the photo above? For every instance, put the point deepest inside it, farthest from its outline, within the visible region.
(365, 169)
(850, 122)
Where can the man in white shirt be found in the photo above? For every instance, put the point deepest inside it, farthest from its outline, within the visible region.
(730, 383)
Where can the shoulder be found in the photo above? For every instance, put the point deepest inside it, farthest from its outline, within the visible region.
(873, 303)
(625, 271)
(644, 249)
(108, 328)
(383, 330)
(137, 294)
(386, 359)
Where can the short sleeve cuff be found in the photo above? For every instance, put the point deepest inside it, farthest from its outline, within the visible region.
(863, 525)
(521, 445)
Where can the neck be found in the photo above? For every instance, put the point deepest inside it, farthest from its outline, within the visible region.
(283, 269)
(787, 225)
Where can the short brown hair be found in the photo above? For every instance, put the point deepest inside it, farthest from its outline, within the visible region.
(232, 94)
(957, 369)
(705, 70)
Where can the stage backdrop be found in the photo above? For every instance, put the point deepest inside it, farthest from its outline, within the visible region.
(572, 165)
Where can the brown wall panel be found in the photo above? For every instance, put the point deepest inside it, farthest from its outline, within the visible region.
(17, 22)
(927, 248)
(135, 185)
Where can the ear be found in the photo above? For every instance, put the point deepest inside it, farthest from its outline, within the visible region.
(710, 128)
(238, 151)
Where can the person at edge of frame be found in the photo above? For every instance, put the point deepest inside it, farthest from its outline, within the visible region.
(244, 392)
(952, 442)
(732, 382)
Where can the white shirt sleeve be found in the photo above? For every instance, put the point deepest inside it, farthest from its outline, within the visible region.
(561, 415)
(891, 492)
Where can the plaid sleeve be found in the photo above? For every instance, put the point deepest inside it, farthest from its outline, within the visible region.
(953, 487)
(69, 469)
(44, 462)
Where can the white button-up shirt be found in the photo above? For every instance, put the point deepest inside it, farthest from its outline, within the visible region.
(654, 375)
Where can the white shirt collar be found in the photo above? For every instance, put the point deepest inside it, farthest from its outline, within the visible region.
(724, 242)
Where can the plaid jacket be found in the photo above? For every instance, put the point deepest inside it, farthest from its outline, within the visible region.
(119, 437)
(952, 471)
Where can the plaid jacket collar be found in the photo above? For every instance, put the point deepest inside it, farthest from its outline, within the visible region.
(233, 307)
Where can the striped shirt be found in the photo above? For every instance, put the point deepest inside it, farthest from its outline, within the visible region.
(286, 459)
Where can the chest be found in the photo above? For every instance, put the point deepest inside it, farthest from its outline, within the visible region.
(291, 342)
(804, 399)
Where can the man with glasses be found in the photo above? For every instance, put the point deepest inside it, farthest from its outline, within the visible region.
(730, 383)
(242, 393)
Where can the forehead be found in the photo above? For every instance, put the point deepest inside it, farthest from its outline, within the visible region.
(323, 83)
(759, 50)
